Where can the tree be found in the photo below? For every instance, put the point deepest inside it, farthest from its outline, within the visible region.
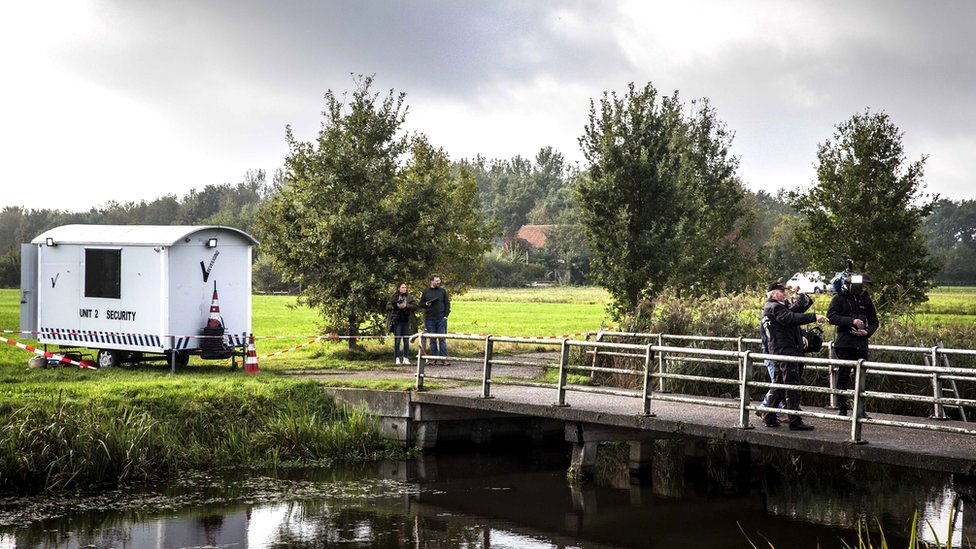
(366, 206)
(952, 240)
(660, 199)
(868, 205)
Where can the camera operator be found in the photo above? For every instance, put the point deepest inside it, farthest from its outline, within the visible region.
(855, 317)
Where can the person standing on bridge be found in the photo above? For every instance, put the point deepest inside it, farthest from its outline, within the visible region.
(853, 313)
(402, 322)
(782, 327)
(437, 307)
(799, 303)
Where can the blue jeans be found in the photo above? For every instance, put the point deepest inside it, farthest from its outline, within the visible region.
(436, 326)
(401, 331)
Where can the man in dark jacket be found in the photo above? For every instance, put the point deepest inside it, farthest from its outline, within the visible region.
(437, 307)
(853, 312)
(782, 327)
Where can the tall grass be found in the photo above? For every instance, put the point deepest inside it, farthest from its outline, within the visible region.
(75, 440)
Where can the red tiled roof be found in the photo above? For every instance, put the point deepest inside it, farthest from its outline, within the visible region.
(534, 235)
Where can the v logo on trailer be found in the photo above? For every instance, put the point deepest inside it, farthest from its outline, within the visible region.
(206, 269)
(54, 279)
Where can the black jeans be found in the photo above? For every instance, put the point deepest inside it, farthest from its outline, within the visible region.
(787, 373)
(844, 372)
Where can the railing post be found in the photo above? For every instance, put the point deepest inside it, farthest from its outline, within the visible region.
(420, 362)
(746, 370)
(646, 394)
(858, 408)
(738, 348)
(660, 364)
(938, 411)
(486, 380)
(596, 350)
(561, 385)
(833, 372)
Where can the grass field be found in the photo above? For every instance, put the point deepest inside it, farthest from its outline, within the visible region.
(511, 312)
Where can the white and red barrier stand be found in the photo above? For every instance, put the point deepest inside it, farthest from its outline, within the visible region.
(52, 356)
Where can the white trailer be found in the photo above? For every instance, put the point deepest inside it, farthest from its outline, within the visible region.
(136, 290)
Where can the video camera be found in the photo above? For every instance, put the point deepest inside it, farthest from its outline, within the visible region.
(845, 281)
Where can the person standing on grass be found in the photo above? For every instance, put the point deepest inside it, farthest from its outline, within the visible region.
(402, 322)
(853, 312)
(437, 307)
(782, 327)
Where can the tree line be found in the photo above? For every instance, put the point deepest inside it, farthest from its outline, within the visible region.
(658, 205)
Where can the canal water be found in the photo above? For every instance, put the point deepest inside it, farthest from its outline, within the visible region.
(696, 494)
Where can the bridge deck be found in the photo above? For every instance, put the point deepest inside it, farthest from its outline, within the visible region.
(916, 448)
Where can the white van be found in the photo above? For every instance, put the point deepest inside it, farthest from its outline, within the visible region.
(808, 282)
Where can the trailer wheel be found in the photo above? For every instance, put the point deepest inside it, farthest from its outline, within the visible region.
(107, 358)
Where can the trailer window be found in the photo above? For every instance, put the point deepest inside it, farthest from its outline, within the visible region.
(103, 273)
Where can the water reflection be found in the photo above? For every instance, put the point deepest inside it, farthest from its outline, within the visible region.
(695, 496)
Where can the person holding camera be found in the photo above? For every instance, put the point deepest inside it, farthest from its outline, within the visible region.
(852, 311)
(782, 327)
(798, 303)
(437, 307)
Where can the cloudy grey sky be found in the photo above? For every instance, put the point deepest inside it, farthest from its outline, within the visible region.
(131, 99)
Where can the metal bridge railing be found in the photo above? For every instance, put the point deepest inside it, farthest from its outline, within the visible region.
(653, 372)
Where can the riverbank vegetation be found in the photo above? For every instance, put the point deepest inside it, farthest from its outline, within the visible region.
(65, 427)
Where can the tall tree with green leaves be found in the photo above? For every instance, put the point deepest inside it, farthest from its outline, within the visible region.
(660, 199)
(366, 206)
(869, 205)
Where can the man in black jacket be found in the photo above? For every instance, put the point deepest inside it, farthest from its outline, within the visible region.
(437, 307)
(853, 312)
(782, 327)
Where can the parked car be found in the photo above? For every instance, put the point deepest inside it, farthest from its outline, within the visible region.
(808, 282)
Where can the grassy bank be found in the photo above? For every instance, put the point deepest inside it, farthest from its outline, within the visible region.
(62, 434)
(66, 427)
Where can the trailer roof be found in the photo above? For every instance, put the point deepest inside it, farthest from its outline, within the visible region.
(120, 235)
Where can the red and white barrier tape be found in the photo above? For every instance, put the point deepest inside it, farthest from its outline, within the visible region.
(59, 358)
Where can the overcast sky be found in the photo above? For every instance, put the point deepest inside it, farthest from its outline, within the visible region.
(133, 99)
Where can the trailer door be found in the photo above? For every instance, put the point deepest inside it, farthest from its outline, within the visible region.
(28, 290)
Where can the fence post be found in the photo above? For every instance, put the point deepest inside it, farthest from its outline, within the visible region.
(660, 364)
(646, 394)
(486, 379)
(596, 350)
(938, 412)
(746, 370)
(561, 384)
(858, 408)
(833, 372)
(420, 362)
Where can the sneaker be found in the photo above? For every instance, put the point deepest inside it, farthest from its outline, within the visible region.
(800, 427)
(842, 412)
(445, 363)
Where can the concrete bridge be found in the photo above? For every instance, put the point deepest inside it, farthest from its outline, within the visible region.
(496, 396)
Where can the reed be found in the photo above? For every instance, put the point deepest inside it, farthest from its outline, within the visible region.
(73, 441)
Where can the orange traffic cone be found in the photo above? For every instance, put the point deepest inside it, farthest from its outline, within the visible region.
(251, 363)
(214, 320)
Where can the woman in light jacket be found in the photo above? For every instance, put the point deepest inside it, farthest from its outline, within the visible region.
(401, 321)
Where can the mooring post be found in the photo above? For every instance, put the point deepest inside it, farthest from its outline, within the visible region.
(486, 372)
(561, 385)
